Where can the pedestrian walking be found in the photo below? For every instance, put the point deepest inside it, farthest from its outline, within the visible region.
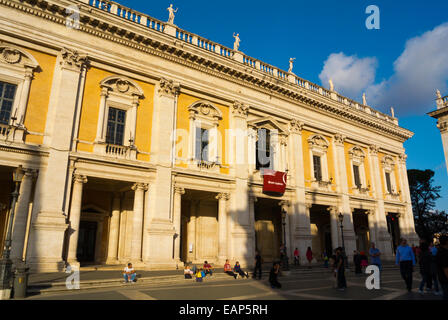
(309, 256)
(435, 279)
(296, 257)
(340, 270)
(405, 258)
(442, 264)
(424, 261)
(258, 264)
(273, 276)
(375, 254)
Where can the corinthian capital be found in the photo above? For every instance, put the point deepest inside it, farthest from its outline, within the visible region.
(296, 126)
(373, 149)
(72, 60)
(223, 196)
(179, 190)
(240, 110)
(443, 126)
(168, 88)
(78, 178)
(339, 139)
(140, 186)
(332, 210)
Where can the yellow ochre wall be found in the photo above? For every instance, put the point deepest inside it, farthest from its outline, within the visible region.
(347, 148)
(183, 125)
(91, 106)
(37, 108)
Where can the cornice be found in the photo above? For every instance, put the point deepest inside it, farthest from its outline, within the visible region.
(113, 28)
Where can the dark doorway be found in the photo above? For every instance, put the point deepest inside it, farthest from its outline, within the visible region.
(328, 243)
(86, 241)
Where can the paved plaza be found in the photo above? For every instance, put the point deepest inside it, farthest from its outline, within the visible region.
(299, 285)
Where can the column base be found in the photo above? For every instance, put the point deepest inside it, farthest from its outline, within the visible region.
(5, 294)
(112, 261)
(44, 266)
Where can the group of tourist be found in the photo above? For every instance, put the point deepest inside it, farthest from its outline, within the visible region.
(432, 260)
(433, 264)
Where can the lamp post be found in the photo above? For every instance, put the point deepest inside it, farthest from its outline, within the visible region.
(5, 262)
(285, 262)
(341, 220)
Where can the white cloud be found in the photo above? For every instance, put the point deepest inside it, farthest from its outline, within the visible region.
(418, 72)
(350, 74)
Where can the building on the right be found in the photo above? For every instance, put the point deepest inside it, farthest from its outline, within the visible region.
(441, 114)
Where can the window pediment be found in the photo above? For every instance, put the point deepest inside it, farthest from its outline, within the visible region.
(357, 154)
(13, 55)
(206, 110)
(122, 86)
(388, 163)
(318, 143)
(268, 123)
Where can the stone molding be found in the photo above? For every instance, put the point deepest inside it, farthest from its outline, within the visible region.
(339, 139)
(78, 178)
(296, 126)
(179, 190)
(240, 110)
(223, 196)
(443, 126)
(373, 150)
(168, 88)
(140, 186)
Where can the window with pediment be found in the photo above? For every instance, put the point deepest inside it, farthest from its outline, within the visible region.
(17, 68)
(357, 157)
(388, 165)
(117, 118)
(318, 147)
(205, 142)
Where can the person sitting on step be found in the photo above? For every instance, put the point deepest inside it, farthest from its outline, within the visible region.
(240, 272)
(129, 274)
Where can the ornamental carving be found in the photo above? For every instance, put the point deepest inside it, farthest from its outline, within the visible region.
(443, 126)
(179, 190)
(78, 178)
(373, 149)
(339, 139)
(240, 110)
(388, 162)
(223, 196)
(121, 85)
(72, 59)
(296, 126)
(168, 88)
(204, 109)
(318, 141)
(356, 153)
(403, 157)
(11, 54)
(140, 186)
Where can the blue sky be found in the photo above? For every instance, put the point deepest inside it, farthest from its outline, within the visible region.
(399, 65)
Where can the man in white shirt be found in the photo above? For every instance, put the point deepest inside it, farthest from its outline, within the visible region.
(129, 274)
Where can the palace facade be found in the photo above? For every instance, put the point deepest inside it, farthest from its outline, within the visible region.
(142, 142)
(441, 114)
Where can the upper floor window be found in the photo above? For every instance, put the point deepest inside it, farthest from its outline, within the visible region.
(115, 126)
(263, 150)
(388, 183)
(7, 93)
(202, 144)
(389, 177)
(357, 159)
(357, 176)
(317, 165)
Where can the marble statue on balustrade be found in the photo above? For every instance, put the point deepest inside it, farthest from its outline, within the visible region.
(364, 99)
(172, 12)
(439, 95)
(236, 44)
(392, 112)
(291, 64)
(331, 84)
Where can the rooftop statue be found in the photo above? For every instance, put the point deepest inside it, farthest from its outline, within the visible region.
(291, 64)
(364, 99)
(236, 44)
(331, 85)
(439, 95)
(172, 12)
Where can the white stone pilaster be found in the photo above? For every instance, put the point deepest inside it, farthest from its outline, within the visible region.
(336, 239)
(137, 225)
(114, 230)
(222, 226)
(178, 192)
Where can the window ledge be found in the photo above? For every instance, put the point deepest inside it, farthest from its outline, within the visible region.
(13, 133)
(116, 151)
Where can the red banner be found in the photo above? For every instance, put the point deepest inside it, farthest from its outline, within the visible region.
(274, 182)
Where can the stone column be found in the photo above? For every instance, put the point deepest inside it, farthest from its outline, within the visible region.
(383, 238)
(336, 239)
(114, 230)
(285, 206)
(406, 198)
(75, 218)
(100, 134)
(340, 166)
(252, 201)
(191, 231)
(160, 244)
(21, 216)
(48, 224)
(25, 95)
(99, 241)
(222, 226)
(137, 223)
(372, 225)
(301, 226)
(178, 192)
(442, 124)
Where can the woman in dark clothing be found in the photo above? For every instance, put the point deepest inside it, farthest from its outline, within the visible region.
(357, 262)
(237, 269)
(424, 260)
(340, 269)
(273, 276)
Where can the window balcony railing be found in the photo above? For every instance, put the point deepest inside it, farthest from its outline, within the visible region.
(116, 151)
(4, 131)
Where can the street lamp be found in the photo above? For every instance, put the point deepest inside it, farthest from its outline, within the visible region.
(341, 220)
(5, 262)
(285, 262)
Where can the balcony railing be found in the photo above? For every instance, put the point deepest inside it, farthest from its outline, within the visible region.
(157, 25)
(4, 130)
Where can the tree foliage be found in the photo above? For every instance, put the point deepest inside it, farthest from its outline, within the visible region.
(424, 195)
